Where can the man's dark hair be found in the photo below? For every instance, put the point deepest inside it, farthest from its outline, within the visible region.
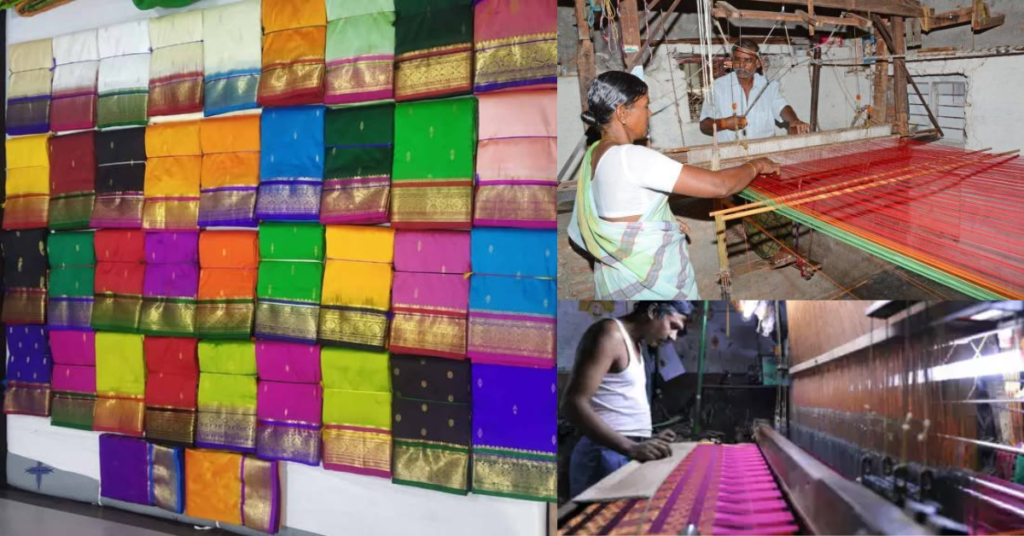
(748, 45)
(665, 307)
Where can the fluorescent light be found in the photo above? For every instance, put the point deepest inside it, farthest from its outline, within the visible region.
(1002, 363)
(747, 307)
(991, 314)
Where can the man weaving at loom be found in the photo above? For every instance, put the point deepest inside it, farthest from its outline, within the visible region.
(747, 106)
(607, 392)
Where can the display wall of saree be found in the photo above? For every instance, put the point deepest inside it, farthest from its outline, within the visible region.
(291, 165)
(176, 65)
(360, 51)
(231, 171)
(171, 284)
(357, 176)
(288, 286)
(72, 274)
(357, 286)
(294, 41)
(120, 279)
(72, 180)
(433, 48)
(515, 443)
(431, 422)
(228, 262)
(133, 470)
(432, 178)
(28, 371)
(172, 381)
(174, 163)
(514, 45)
(77, 60)
(74, 378)
(120, 384)
(227, 396)
(29, 86)
(289, 403)
(120, 178)
(357, 411)
(232, 488)
(124, 75)
(25, 260)
(516, 160)
(28, 183)
(232, 51)
(430, 298)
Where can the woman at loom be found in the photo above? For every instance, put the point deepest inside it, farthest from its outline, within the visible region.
(621, 216)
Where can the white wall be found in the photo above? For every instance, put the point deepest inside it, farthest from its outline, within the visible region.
(570, 127)
(572, 323)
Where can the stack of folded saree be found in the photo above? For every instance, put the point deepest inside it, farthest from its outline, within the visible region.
(431, 293)
(512, 297)
(515, 45)
(232, 51)
(357, 174)
(171, 284)
(77, 60)
(120, 279)
(72, 273)
(233, 488)
(357, 411)
(25, 260)
(171, 383)
(291, 164)
(289, 403)
(28, 183)
(174, 163)
(123, 84)
(120, 384)
(516, 160)
(294, 42)
(74, 378)
(431, 422)
(29, 86)
(120, 178)
(135, 471)
(432, 178)
(433, 48)
(28, 371)
(227, 396)
(288, 286)
(230, 172)
(176, 65)
(72, 180)
(228, 262)
(357, 286)
(360, 51)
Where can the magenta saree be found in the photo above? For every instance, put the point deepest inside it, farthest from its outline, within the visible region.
(289, 420)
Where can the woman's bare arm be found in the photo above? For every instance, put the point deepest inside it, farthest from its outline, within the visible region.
(697, 182)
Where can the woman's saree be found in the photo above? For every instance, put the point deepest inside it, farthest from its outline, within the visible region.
(29, 86)
(120, 384)
(232, 488)
(77, 62)
(357, 411)
(25, 260)
(124, 75)
(72, 274)
(28, 371)
(515, 45)
(173, 169)
(134, 471)
(357, 174)
(232, 52)
(120, 279)
(231, 171)
(74, 378)
(294, 42)
(72, 180)
(172, 382)
(171, 284)
(227, 396)
(288, 286)
(228, 262)
(176, 65)
(433, 48)
(120, 178)
(360, 51)
(289, 403)
(357, 286)
(512, 321)
(291, 166)
(28, 183)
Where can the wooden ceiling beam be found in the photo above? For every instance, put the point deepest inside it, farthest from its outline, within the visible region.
(904, 8)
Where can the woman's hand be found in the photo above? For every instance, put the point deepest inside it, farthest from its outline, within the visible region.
(764, 166)
(683, 226)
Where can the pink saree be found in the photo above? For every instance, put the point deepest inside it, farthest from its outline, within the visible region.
(289, 420)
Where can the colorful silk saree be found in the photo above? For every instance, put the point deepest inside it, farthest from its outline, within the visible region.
(120, 178)
(516, 160)
(439, 252)
(431, 423)
(171, 384)
(120, 384)
(74, 378)
(288, 287)
(232, 51)
(176, 65)
(72, 180)
(289, 421)
(227, 396)
(288, 362)
(28, 183)
(357, 286)
(29, 368)
(25, 260)
(232, 488)
(72, 274)
(173, 169)
(357, 411)
(515, 252)
(77, 60)
(433, 48)
(228, 263)
(431, 185)
(512, 321)
(132, 470)
(29, 87)
(171, 284)
(120, 279)
(231, 171)
(357, 176)
(515, 45)
(515, 445)
(294, 41)
(291, 165)
(124, 75)
(360, 51)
